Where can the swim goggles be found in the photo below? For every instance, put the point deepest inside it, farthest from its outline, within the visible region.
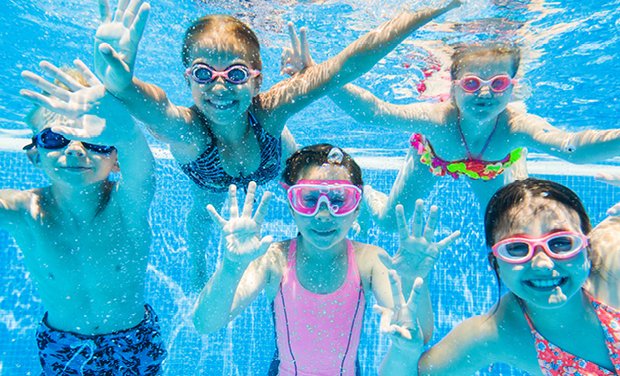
(47, 139)
(340, 196)
(235, 74)
(497, 84)
(558, 245)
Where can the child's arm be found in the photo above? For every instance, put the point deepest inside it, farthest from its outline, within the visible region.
(13, 203)
(243, 271)
(402, 323)
(116, 46)
(577, 147)
(290, 96)
(360, 103)
(99, 119)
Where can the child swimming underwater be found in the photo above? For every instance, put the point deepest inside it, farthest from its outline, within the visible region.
(477, 134)
(562, 283)
(85, 238)
(319, 281)
(232, 132)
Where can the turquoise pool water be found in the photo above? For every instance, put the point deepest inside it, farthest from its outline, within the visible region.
(572, 73)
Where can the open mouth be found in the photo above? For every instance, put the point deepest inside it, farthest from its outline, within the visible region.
(324, 232)
(221, 104)
(546, 284)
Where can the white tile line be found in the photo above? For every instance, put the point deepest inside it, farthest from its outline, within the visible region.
(538, 164)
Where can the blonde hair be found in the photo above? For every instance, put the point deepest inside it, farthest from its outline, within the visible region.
(463, 52)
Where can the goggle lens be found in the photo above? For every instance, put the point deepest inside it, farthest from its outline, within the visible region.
(307, 196)
(560, 246)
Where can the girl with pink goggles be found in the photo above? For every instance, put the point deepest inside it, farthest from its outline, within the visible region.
(340, 196)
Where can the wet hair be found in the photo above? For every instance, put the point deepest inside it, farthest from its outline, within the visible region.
(514, 194)
(318, 155)
(222, 26)
(463, 52)
(39, 116)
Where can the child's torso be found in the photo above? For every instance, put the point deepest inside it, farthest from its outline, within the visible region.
(318, 334)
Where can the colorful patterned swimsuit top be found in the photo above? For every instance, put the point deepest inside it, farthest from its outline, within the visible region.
(473, 168)
(208, 173)
(554, 361)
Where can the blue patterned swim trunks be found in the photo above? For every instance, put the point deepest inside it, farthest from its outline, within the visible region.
(136, 351)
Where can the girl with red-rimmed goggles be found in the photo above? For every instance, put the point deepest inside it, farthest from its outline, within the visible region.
(497, 84)
(340, 196)
(557, 245)
(235, 74)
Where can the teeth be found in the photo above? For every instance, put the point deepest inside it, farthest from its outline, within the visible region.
(221, 104)
(545, 283)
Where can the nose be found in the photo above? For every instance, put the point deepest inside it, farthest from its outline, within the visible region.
(541, 259)
(75, 149)
(484, 91)
(323, 214)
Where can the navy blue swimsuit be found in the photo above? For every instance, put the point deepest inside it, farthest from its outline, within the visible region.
(208, 173)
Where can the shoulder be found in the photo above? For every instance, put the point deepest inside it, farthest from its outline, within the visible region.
(18, 206)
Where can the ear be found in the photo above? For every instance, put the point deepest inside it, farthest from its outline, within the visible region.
(33, 156)
(258, 81)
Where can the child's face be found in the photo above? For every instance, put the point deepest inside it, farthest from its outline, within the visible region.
(221, 101)
(543, 281)
(324, 230)
(74, 164)
(484, 103)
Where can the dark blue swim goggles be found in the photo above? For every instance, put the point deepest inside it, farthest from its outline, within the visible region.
(47, 139)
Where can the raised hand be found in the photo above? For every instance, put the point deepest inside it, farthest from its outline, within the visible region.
(97, 116)
(241, 233)
(417, 252)
(613, 179)
(401, 321)
(117, 40)
(296, 58)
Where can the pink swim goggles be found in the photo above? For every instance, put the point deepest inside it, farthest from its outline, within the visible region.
(497, 84)
(557, 245)
(340, 196)
(235, 74)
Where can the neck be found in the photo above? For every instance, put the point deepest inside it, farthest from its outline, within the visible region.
(575, 310)
(311, 253)
(475, 127)
(231, 133)
(83, 202)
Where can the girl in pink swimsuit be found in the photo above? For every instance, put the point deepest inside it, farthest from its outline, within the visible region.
(319, 282)
(560, 315)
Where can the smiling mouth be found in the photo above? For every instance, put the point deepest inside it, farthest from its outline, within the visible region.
(546, 284)
(75, 168)
(221, 104)
(324, 232)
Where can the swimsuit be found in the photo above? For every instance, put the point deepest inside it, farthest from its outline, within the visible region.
(208, 173)
(554, 361)
(136, 351)
(474, 168)
(318, 334)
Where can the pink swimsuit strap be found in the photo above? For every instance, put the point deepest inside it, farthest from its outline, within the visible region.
(554, 361)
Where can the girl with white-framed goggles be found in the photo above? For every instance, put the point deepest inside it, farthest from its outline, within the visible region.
(235, 74)
(340, 196)
(561, 245)
(497, 84)
(48, 139)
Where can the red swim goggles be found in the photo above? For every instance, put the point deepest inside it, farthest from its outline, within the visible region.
(497, 84)
(340, 196)
(235, 74)
(557, 245)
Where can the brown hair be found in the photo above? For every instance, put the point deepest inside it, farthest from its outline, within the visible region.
(220, 25)
(463, 52)
(317, 155)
